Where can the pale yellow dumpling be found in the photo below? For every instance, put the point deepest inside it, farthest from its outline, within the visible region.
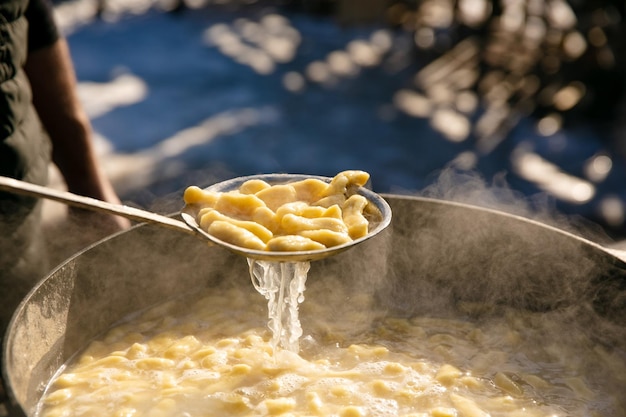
(331, 200)
(276, 196)
(266, 217)
(353, 216)
(295, 207)
(257, 229)
(310, 189)
(326, 237)
(235, 235)
(322, 214)
(293, 243)
(293, 224)
(196, 195)
(235, 204)
(253, 186)
(342, 181)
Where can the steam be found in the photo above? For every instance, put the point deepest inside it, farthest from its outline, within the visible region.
(449, 258)
(470, 187)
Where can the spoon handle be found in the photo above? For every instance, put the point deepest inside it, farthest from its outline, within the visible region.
(32, 190)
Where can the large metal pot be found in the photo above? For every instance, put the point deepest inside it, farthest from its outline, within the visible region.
(435, 255)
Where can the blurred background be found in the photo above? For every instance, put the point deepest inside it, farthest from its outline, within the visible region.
(512, 103)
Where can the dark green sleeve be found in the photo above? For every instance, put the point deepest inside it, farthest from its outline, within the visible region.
(42, 29)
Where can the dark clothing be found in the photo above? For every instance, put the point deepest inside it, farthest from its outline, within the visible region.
(25, 150)
(42, 31)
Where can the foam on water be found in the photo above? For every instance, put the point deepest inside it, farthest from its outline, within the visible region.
(199, 374)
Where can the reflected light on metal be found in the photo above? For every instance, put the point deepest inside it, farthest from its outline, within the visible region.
(453, 125)
(347, 62)
(440, 93)
(412, 103)
(474, 12)
(459, 57)
(560, 15)
(612, 210)
(424, 38)
(574, 45)
(250, 31)
(437, 13)
(598, 167)
(512, 19)
(101, 98)
(382, 40)
(466, 102)
(260, 45)
(196, 4)
(568, 96)
(465, 161)
(549, 125)
(137, 170)
(294, 82)
(340, 63)
(606, 58)
(535, 29)
(318, 71)
(398, 14)
(282, 50)
(260, 61)
(490, 121)
(550, 178)
(464, 78)
(597, 37)
(363, 53)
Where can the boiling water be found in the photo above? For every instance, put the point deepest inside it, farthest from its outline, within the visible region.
(283, 285)
(210, 354)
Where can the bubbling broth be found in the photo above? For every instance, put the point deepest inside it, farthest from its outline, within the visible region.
(211, 354)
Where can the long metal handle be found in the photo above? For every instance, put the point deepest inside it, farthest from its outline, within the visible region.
(32, 190)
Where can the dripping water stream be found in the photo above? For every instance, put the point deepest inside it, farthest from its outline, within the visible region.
(283, 285)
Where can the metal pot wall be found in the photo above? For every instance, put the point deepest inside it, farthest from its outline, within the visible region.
(435, 256)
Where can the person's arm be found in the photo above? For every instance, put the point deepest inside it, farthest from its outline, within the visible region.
(53, 81)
